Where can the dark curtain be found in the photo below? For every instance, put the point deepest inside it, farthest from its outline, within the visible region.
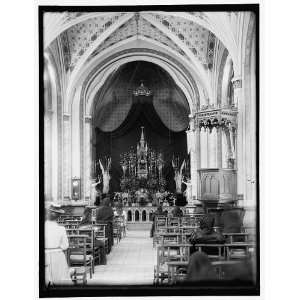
(158, 136)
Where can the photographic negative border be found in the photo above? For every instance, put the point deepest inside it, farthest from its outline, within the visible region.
(142, 290)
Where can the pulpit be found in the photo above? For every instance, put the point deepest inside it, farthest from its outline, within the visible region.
(218, 186)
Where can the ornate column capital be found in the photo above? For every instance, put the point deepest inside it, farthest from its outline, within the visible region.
(219, 118)
(87, 118)
(192, 124)
(66, 117)
(237, 82)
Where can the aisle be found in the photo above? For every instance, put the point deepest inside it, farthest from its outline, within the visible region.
(130, 262)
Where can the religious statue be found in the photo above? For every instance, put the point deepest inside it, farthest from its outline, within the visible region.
(159, 196)
(188, 191)
(178, 175)
(93, 190)
(105, 175)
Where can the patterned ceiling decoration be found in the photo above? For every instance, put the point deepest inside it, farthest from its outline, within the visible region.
(200, 15)
(138, 26)
(210, 50)
(77, 39)
(69, 16)
(193, 35)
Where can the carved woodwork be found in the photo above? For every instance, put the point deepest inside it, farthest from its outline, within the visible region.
(218, 186)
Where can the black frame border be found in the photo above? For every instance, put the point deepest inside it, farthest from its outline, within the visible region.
(230, 289)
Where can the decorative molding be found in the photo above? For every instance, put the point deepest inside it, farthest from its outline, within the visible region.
(219, 118)
(137, 27)
(78, 38)
(97, 69)
(236, 83)
(88, 119)
(66, 117)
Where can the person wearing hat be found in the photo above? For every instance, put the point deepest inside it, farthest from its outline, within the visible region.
(177, 212)
(56, 242)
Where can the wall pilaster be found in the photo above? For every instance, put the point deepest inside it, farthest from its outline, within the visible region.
(67, 156)
(87, 158)
(240, 155)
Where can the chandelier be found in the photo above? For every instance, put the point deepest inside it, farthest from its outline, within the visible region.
(142, 90)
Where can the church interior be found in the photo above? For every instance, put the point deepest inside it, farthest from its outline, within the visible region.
(150, 148)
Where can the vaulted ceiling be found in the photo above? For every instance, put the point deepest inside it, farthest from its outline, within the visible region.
(199, 41)
(179, 32)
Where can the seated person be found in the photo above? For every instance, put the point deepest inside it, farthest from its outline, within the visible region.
(231, 220)
(86, 223)
(206, 235)
(56, 242)
(157, 213)
(200, 268)
(105, 214)
(86, 220)
(176, 212)
(198, 209)
(243, 270)
(180, 200)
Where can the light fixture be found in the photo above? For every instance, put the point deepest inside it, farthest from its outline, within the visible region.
(142, 90)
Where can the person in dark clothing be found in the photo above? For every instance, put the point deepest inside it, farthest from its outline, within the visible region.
(231, 220)
(86, 217)
(180, 200)
(157, 213)
(243, 270)
(200, 268)
(86, 223)
(177, 212)
(105, 215)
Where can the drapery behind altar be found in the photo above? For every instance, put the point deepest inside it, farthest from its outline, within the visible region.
(120, 116)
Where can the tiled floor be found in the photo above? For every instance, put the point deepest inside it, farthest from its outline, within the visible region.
(131, 261)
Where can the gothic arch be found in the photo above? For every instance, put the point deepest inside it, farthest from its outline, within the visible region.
(84, 151)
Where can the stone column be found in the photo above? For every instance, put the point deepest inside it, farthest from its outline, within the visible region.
(237, 90)
(87, 159)
(196, 192)
(67, 157)
(48, 155)
(240, 151)
(224, 149)
(219, 148)
(203, 140)
(229, 147)
(54, 155)
(212, 148)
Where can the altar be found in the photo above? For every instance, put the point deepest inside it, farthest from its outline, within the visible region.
(142, 183)
(143, 186)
